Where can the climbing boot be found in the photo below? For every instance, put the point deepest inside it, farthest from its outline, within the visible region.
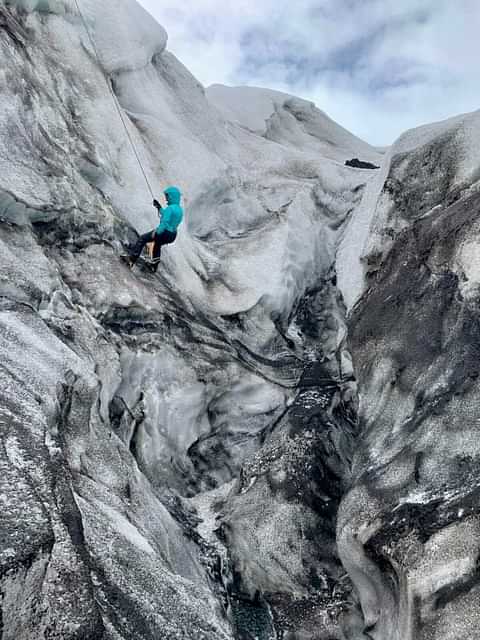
(128, 260)
(153, 265)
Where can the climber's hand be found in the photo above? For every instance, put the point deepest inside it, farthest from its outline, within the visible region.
(156, 204)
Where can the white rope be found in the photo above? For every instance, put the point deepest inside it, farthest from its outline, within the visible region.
(115, 99)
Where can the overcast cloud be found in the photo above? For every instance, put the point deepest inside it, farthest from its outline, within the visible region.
(377, 67)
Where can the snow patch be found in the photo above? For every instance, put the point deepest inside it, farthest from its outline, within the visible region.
(468, 263)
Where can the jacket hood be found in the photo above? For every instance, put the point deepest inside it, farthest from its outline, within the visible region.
(174, 195)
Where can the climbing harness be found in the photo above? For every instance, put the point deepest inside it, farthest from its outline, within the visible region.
(115, 99)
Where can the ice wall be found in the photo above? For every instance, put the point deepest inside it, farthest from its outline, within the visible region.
(446, 163)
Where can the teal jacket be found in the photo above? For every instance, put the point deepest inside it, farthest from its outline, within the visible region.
(171, 216)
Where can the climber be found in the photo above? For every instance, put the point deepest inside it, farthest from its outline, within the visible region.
(165, 233)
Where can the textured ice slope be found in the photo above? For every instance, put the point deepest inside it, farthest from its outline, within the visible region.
(408, 527)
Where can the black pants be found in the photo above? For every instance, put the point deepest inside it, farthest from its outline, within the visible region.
(166, 237)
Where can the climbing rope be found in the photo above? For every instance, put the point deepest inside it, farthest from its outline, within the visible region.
(115, 99)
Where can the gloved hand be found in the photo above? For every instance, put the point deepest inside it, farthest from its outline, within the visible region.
(156, 204)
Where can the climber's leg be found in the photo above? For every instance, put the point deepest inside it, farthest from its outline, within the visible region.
(166, 237)
(136, 249)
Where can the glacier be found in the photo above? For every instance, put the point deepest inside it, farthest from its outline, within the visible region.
(275, 436)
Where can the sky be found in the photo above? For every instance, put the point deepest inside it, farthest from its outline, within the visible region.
(377, 67)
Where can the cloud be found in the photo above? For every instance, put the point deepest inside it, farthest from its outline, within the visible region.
(378, 67)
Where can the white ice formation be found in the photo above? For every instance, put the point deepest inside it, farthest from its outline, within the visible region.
(257, 441)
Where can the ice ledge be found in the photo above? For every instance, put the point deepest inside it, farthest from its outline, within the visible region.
(111, 24)
(42, 6)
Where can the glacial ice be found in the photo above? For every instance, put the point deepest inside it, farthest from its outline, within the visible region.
(182, 452)
(42, 6)
(370, 229)
(288, 120)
